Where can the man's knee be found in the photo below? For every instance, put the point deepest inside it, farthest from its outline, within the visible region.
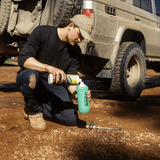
(71, 122)
(29, 77)
(32, 80)
(71, 119)
(67, 117)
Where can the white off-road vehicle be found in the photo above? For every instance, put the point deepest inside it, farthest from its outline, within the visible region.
(125, 36)
(126, 42)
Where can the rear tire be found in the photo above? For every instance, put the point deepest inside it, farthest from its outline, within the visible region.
(64, 10)
(5, 9)
(129, 73)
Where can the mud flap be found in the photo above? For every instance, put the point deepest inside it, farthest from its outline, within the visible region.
(24, 17)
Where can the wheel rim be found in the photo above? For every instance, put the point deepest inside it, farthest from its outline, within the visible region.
(133, 72)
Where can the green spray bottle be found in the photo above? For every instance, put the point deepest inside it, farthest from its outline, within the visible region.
(83, 102)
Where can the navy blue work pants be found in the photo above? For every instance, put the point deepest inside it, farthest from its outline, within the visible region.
(54, 100)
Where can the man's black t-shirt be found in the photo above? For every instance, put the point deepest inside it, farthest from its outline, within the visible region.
(44, 45)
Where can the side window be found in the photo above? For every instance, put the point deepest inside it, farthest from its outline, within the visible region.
(144, 4)
(137, 3)
(157, 3)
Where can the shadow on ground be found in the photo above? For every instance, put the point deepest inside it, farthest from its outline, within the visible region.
(106, 149)
(9, 87)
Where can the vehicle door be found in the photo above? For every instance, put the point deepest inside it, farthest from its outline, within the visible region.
(147, 21)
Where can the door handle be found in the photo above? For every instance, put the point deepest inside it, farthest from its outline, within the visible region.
(137, 18)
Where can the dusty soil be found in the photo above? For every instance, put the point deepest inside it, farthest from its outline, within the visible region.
(139, 137)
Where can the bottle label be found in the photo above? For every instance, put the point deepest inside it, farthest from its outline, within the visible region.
(86, 99)
(73, 78)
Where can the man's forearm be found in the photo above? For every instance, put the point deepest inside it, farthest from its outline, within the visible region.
(32, 63)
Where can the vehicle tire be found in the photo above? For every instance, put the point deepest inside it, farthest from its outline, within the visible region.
(129, 73)
(65, 9)
(5, 9)
(2, 59)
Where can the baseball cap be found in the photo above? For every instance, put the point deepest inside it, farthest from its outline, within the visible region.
(84, 23)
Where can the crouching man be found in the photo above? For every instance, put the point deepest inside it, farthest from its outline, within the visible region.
(51, 50)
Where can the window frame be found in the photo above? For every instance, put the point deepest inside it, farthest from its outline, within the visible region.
(141, 7)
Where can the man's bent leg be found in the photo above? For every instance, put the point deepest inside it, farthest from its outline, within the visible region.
(67, 116)
(59, 104)
(27, 81)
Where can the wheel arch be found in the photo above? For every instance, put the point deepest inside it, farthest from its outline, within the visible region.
(131, 34)
(127, 34)
(134, 36)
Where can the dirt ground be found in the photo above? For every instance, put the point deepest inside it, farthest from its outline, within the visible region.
(139, 137)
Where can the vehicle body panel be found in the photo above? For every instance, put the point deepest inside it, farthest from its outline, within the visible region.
(112, 29)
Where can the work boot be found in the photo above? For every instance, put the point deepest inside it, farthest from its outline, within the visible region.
(36, 120)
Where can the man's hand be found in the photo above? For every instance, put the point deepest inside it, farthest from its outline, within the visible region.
(73, 91)
(58, 75)
(89, 95)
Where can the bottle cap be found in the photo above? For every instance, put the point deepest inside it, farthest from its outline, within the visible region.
(82, 84)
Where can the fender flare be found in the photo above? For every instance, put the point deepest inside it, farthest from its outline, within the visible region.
(118, 39)
(123, 28)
